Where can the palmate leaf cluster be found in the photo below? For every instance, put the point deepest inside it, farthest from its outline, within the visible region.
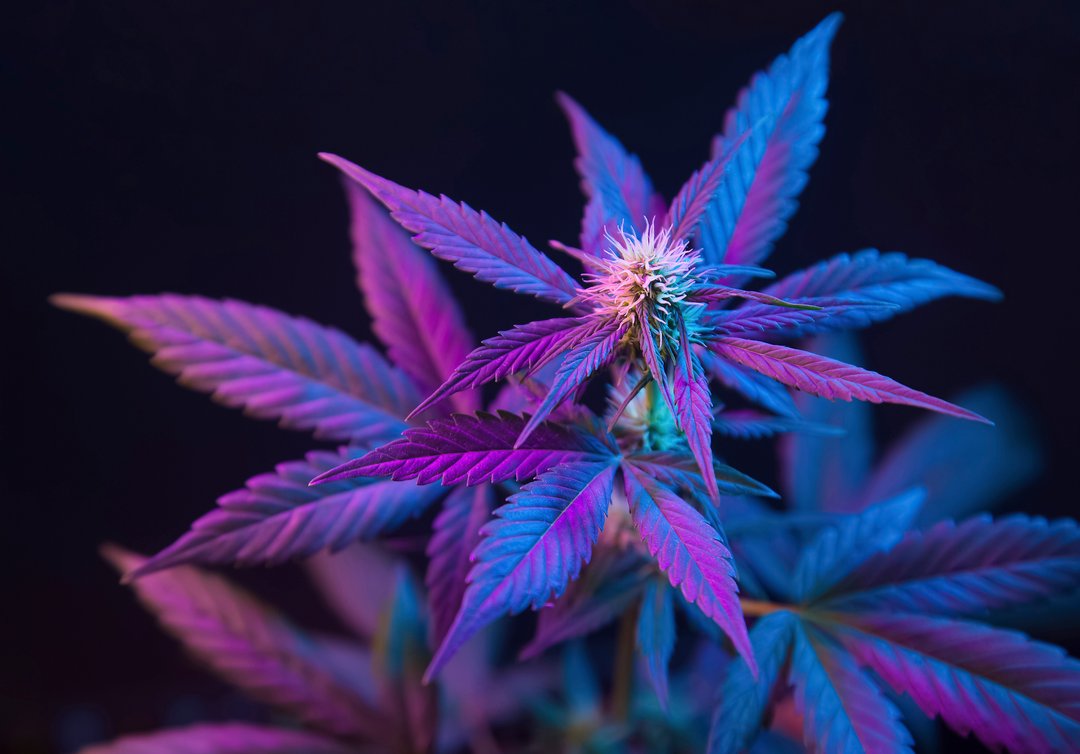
(680, 604)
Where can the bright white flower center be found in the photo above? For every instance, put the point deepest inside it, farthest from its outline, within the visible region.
(640, 269)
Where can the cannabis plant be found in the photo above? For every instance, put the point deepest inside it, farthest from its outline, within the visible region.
(833, 614)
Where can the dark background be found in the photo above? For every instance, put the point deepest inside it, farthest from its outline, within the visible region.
(170, 145)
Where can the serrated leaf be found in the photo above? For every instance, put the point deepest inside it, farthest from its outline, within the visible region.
(278, 516)
(744, 700)
(767, 176)
(690, 552)
(536, 544)
(656, 635)
(747, 424)
(221, 738)
(839, 549)
(758, 388)
(977, 565)
(411, 308)
(270, 364)
(844, 712)
(693, 408)
(454, 535)
(1010, 691)
(679, 470)
(522, 349)
(473, 450)
(827, 378)
(471, 240)
(251, 647)
(691, 204)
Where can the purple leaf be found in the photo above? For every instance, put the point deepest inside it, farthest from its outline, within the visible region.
(613, 181)
(1008, 690)
(761, 390)
(454, 536)
(577, 366)
(743, 699)
(277, 517)
(767, 175)
(656, 635)
(473, 450)
(797, 317)
(690, 552)
(535, 546)
(411, 308)
(693, 408)
(964, 467)
(654, 360)
(221, 738)
(692, 202)
(827, 378)
(844, 712)
(608, 586)
(250, 646)
(356, 583)
(748, 424)
(272, 365)
(522, 349)
(827, 473)
(971, 567)
(471, 240)
(839, 549)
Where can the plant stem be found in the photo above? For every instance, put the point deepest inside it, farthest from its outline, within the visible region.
(758, 608)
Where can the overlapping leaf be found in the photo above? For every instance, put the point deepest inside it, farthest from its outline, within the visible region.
(693, 408)
(471, 240)
(536, 544)
(474, 449)
(272, 365)
(454, 535)
(411, 308)
(278, 516)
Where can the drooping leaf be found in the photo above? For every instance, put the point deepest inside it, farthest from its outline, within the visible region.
(536, 544)
(272, 365)
(474, 449)
(251, 647)
(747, 424)
(971, 567)
(471, 240)
(964, 467)
(411, 308)
(823, 473)
(839, 549)
(221, 738)
(454, 536)
(869, 275)
(1010, 691)
(577, 366)
(278, 516)
(756, 387)
(613, 180)
(656, 635)
(693, 408)
(608, 585)
(827, 378)
(767, 176)
(743, 699)
(690, 552)
(844, 712)
(522, 349)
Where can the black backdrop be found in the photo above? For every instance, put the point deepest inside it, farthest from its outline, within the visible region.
(171, 146)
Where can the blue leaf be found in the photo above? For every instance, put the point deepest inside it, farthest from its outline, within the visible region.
(656, 635)
(839, 549)
(767, 176)
(844, 712)
(535, 545)
(744, 700)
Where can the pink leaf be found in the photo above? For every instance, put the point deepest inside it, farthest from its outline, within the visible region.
(221, 738)
(693, 408)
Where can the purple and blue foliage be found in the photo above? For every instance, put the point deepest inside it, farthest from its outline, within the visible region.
(822, 619)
